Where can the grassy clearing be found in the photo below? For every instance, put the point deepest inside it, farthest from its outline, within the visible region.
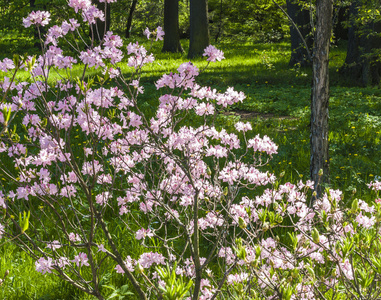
(277, 104)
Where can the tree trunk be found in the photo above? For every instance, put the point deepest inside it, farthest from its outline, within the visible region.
(171, 27)
(102, 27)
(361, 64)
(341, 17)
(301, 18)
(199, 29)
(129, 20)
(320, 96)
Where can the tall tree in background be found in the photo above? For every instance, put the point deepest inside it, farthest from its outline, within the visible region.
(320, 95)
(199, 29)
(171, 27)
(300, 36)
(363, 51)
(102, 26)
(129, 20)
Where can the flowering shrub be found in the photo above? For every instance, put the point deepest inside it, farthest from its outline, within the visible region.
(93, 171)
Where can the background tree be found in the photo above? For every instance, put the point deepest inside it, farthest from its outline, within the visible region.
(364, 43)
(301, 19)
(259, 20)
(102, 27)
(320, 95)
(171, 27)
(199, 30)
(129, 20)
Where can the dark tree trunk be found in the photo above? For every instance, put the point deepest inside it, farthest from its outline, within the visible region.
(320, 96)
(102, 27)
(301, 18)
(129, 20)
(361, 64)
(341, 17)
(199, 29)
(171, 27)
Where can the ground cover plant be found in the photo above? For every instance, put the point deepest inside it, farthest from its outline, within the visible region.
(243, 224)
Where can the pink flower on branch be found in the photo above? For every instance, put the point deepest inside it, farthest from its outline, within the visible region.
(44, 265)
(213, 54)
(79, 4)
(37, 18)
(142, 233)
(81, 260)
(146, 260)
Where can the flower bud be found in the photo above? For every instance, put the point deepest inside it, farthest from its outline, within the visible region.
(139, 268)
(355, 205)
(315, 236)
(242, 223)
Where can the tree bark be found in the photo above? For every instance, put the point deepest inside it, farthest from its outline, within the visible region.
(301, 18)
(361, 63)
(129, 20)
(102, 26)
(320, 96)
(199, 29)
(171, 27)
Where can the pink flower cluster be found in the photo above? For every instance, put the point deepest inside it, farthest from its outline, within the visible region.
(39, 18)
(158, 32)
(213, 54)
(6, 65)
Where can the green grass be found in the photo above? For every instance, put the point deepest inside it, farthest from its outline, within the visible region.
(277, 104)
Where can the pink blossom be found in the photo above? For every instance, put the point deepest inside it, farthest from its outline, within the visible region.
(365, 221)
(74, 237)
(146, 260)
(213, 54)
(376, 185)
(1, 230)
(79, 4)
(147, 33)
(62, 262)
(345, 268)
(129, 264)
(159, 33)
(240, 126)
(102, 198)
(6, 64)
(142, 233)
(119, 269)
(54, 245)
(37, 18)
(227, 254)
(101, 248)
(44, 265)
(237, 278)
(263, 145)
(81, 259)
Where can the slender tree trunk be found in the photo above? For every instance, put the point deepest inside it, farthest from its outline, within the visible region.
(129, 20)
(320, 96)
(301, 18)
(199, 29)
(171, 27)
(102, 27)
